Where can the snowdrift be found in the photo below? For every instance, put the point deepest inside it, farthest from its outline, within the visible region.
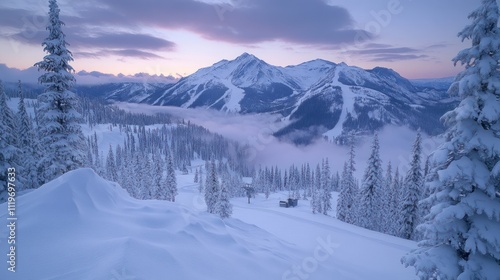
(81, 226)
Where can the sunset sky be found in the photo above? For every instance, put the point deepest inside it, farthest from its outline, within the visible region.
(177, 37)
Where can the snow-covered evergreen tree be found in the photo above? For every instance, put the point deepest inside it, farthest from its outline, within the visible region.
(212, 188)
(111, 172)
(386, 198)
(461, 231)
(8, 150)
(171, 179)
(157, 176)
(326, 194)
(27, 144)
(370, 195)
(60, 132)
(412, 188)
(394, 204)
(346, 205)
(223, 206)
(342, 203)
(316, 192)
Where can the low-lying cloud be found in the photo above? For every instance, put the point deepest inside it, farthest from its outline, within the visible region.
(266, 150)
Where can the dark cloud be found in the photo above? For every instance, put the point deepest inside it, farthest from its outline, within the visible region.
(123, 41)
(85, 41)
(244, 21)
(309, 22)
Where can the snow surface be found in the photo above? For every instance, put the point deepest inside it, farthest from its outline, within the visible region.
(348, 101)
(81, 226)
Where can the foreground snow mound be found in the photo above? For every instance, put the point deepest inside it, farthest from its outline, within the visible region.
(81, 226)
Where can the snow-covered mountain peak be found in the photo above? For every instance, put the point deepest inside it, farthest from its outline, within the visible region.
(246, 57)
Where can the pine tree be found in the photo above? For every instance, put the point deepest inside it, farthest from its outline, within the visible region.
(326, 195)
(386, 198)
(348, 191)
(157, 176)
(8, 150)
(211, 188)
(461, 231)
(316, 192)
(342, 203)
(394, 204)
(412, 188)
(60, 132)
(171, 179)
(111, 173)
(27, 144)
(223, 206)
(370, 212)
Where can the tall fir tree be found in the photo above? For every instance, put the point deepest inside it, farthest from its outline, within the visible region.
(348, 191)
(111, 172)
(370, 195)
(171, 179)
(394, 204)
(412, 188)
(342, 203)
(26, 143)
(461, 231)
(316, 192)
(223, 206)
(157, 176)
(8, 140)
(212, 188)
(326, 194)
(386, 197)
(61, 136)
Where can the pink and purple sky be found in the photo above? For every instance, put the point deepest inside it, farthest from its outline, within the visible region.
(418, 39)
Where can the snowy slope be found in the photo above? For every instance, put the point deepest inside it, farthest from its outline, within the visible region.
(81, 226)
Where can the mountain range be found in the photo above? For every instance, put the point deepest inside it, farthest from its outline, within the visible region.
(315, 99)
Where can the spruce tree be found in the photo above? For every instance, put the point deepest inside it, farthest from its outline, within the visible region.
(8, 150)
(412, 188)
(157, 176)
(326, 194)
(461, 231)
(316, 192)
(394, 204)
(346, 207)
(61, 136)
(223, 206)
(171, 179)
(111, 172)
(386, 198)
(343, 199)
(26, 143)
(370, 195)
(211, 188)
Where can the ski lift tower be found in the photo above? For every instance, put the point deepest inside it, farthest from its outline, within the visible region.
(248, 186)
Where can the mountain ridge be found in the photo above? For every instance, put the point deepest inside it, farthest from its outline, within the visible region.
(318, 98)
